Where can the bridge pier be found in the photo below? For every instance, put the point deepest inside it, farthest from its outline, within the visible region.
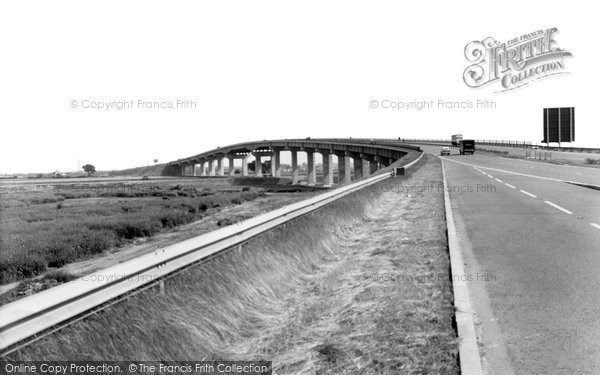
(358, 165)
(201, 168)
(245, 165)
(276, 163)
(373, 167)
(258, 166)
(211, 167)
(295, 170)
(310, 156)
(365, 168)
(347, 173)
(220, 166)
(231, 166)
(327, 169)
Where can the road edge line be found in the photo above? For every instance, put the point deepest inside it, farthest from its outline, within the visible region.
(468, 350)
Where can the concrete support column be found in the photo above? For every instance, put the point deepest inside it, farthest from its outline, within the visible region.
(231, 166)
(201, 168)
(258, 165)
(211, 167)
(295, 167)
(347, 173)
(245, 165)
(341, 169)
(373, 167)
(357, 168)
(276, 163)
(365, 168)
(220, 166)
(310, 156)
(182, 170)
(327, 169)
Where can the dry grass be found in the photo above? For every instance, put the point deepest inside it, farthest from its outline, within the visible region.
(310, 296)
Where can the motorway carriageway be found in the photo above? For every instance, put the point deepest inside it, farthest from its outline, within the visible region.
(531, 245)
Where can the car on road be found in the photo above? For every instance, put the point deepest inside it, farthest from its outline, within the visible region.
(445, 150)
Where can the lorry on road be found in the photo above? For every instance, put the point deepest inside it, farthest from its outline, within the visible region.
(456, 138)
(467, 146)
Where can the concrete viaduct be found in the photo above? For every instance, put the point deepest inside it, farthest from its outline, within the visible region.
(356, 158)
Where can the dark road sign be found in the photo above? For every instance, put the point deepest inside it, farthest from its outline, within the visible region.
(559, 125)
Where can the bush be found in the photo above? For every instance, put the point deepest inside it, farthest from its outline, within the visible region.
(225, 222)
(58, 254)
(21, 266)
(592, 161)
(61, 276)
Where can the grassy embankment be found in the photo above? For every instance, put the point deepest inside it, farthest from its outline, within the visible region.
(359, 287)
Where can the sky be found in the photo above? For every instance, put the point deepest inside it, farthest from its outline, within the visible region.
(193, 75)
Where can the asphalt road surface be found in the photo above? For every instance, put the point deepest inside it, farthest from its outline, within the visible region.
(532, 254)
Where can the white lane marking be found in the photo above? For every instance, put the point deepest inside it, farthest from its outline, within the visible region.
(597, 226)
(510, 186)
(500, 181)
(559, 207)
(527, 193)
(490, 176)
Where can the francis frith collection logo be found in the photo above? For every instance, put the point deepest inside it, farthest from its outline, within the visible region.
(514, 63)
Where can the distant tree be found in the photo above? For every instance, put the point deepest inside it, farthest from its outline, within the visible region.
(89, 169)
(266, 166)
(155, 161)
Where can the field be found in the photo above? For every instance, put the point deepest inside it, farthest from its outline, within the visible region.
(49, 223)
